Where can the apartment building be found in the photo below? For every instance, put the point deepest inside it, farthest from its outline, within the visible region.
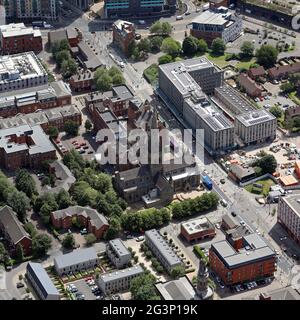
(162, 250)
(75, 261)
(185, 86)
(82, 4)
(17, 38)
(41, 282)
(123, 34)
(89, 218)
(13, 231)
(118, 281)
(25, 146)
(250, 259)
(31, 9)
(289, 215)
(32, 99)
(21, 71)
(138, 8)
(256, 127)
(218, 23)
(83, 81)
(118, 253)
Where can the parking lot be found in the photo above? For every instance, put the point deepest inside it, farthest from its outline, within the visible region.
(83, 288)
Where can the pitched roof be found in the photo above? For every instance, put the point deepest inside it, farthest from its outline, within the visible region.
(257, 72)
(248, 84)
(282, 70)
(12, 225)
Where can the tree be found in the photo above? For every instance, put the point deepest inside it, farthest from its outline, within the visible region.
(287, 87)
(69, 68)
(177, 272)
(276, 111)
(268, 164)
(88, 125)
(156, 27)
(63, 199)
(19, 252)
(68, 241)
(144, 45)
(218, 47)
(19, 202)
(165, 59)
(202, 46)
(142, 287)
(104, 83)
(171, 47)
(90, 239)
(62, 56)
(247, 49)
(3, 253)
(24, 182)
(71, 128)
(131, 48)
(53, 132)
(190, 45)
(296, 122)
(266, 56)
(40, 245)
(118, 79)
(113, 229)
(166, 28)
(156, 42)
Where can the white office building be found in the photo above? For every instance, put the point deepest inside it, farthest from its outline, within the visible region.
(118, 253)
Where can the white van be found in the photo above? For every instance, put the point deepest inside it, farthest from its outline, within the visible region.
(179, 18)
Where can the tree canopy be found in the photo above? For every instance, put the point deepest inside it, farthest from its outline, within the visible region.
(171, 47)
(142, 287)
(68, 241)
(24, 182)
(71, 128)
(218, 47)
(266, 56)
(163, 28)
(40, 245)
(276, 111)
(268, 164)
(247, 49)
(106, 78)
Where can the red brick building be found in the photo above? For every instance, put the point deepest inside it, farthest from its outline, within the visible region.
(251, 259)
(249, 86)
(198, 229)
(213, 4)
(123, 34)
(82, 82)
(13, 231)
(16, 38)
(257, 73)
(88, 218)
(71, 35)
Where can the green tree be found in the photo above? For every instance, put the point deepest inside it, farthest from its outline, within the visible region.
(90, 239)
(155, 43)
(142, 287)
(165, 59)
(104, 83)
(202, 46)
(144, 45)
(218, 47)
(71, 128)
(132, 46)
(268, 164)
(24, 182)
(3, 253)
(68, 241)
(53, 132)
(266, 56)
(177, 272)
(171, 47)
(19, 202)
(247, 49)
(118, 79)
(276, 111)
(30, 228)
(287, 87)
(296, 122)
(19, 252)
(156, 27)
(69, 68)
(63, 199)
(62, 56)
(190, 45)
(40, 245)
(166, 28)
(113, 229)
(88, 125)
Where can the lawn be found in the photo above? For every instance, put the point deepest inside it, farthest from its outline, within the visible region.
(293, 96)
(245, 64)
(218, 60)
(151, 73)
(266, 183)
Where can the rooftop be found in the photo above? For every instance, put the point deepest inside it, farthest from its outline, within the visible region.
(255, 117)
(124, 273)
(197, 225)
(293, 201)
(255, 249)
(17, 30)
(180, 289)
(42, 279)
(214, 18)
(118, 247)
(163, 247)
(75, 257)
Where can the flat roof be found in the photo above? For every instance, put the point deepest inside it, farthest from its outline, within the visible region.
(163, 247)
(288, 180)
(124, 273)
(213, 18)
(75, 257)
(118, 247)
(180, 289)
(18, 29)
(197, 225)
(42, 279)
(255, 249)
(255, 117)
(293, 201)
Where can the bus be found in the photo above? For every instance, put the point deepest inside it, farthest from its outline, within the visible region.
(207, 182)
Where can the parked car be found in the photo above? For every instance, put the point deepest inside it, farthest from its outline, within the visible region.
(140, 238)
(83, 231)
(233, 214)
(20, 285)
(224, 203)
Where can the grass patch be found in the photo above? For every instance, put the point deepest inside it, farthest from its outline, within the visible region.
(266, 183)
(218, 60)
(151, 73)
(200, 254)
(245, 63)
(293, 96)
